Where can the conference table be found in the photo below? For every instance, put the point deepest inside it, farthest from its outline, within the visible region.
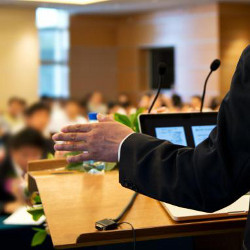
(74, 201)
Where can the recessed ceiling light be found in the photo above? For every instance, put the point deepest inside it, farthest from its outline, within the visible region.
(79, 2)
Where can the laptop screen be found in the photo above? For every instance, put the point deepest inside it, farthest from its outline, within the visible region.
(200, 133)
(175, 135)
(186, 129)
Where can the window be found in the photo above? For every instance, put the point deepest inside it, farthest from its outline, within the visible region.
(54, 49)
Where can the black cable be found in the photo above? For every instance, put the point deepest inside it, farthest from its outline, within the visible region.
(130, 204)
(126, 209)
(133, 230)
(110, 224)
(156, 96)
(204, 91)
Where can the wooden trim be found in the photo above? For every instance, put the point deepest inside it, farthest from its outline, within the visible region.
(46, 164)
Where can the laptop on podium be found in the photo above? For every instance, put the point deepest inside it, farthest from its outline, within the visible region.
(188, 129)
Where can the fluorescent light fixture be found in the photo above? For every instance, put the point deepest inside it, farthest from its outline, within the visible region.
(78, 2)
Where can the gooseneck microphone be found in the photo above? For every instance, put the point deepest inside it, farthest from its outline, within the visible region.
(162, 68)
(213, 67)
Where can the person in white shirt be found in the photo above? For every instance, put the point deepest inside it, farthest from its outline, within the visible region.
(72, 113)
(14, 115)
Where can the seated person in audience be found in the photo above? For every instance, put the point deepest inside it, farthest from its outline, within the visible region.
(25, 146)
(48, 101)
(144, 101)
(114, 107)
(37, 117)
(2, 152)
(177, 103)
(215, 103)
(123, 100)
(195, 103)
(83, 108)
(4, 134)
(73, 113)
(14, 115)
(95, 103)
(4, 128)
(126, 104)
(57, 116)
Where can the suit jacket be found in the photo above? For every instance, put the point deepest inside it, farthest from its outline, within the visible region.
(209, 177)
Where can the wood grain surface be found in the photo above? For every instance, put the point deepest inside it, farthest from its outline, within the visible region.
(73, 202)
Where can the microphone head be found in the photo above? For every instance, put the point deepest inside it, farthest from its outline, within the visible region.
(215, 65)
(162, 67)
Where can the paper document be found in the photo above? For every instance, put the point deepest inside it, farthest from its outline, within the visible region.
(22, 217)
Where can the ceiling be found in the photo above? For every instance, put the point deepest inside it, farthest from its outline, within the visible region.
(119, 6)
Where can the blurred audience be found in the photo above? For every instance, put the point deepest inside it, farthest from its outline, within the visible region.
(14, 115)
(144, 101)
(95, 103)
(195, 103)
(123, 100)
(48, 101)
(83, 107)
(177, 102)
(215, 103)
(57, 116)
(73, 113)
(4, 127)
(125, 103)
(116, 107)
(29, 130)
(37, 117)
(25, 133)
(25, 146)
(66, 112)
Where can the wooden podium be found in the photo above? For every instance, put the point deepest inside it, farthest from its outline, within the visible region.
(74, 201)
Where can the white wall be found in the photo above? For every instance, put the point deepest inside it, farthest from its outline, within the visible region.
(19, 55)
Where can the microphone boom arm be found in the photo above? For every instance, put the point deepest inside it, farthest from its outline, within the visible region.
(204, 91)
(157, 94)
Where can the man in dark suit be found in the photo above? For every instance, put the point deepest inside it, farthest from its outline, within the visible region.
(206, 178)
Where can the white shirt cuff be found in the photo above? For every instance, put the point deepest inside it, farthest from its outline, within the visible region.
(120, 146)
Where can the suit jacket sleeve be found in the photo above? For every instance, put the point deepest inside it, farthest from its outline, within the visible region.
(208, 177)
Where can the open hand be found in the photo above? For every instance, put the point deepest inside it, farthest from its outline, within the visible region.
(98, 141)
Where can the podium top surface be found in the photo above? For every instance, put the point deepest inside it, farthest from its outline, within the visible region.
(74, 201)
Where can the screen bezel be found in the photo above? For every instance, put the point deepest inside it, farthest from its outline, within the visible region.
(148, 122)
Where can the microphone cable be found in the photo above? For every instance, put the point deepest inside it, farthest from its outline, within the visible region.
(111, 224)
(133, 230)
(126, 209)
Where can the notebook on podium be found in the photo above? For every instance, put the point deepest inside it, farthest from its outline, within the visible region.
(188, 129)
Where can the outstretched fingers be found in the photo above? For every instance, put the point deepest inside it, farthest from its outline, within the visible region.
(71, 147)
(79, 158)
(78, 128)
(71, 137)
